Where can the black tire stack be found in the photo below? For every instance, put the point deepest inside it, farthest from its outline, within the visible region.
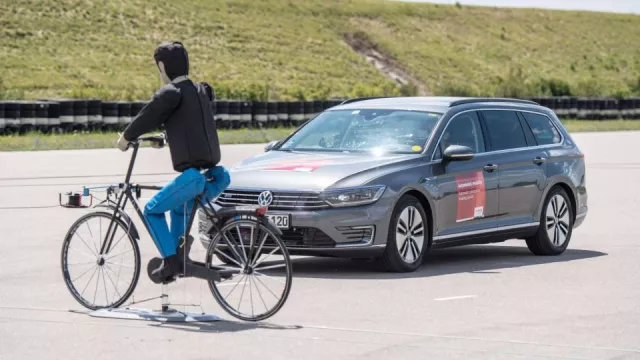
(68, 115)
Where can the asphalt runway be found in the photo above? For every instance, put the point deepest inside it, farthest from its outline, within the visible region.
(476, 302)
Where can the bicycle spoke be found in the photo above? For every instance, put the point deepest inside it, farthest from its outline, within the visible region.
(83, 263)
(129, 266)
(242, 245)
(261, 298)
(274, 295)
(85, 244)
(92, 238)
(271, 253)
(82, 252)
(96, 292)
(242, 293)
(271, 267)
(117, 242)
(251, 293)
(85, 287)
(257, 256)
(225, 298)
(112, 256)
(232, 248)
(228, 257)
(104, 282)
(110, 279)
(269, 277)
(81, 275)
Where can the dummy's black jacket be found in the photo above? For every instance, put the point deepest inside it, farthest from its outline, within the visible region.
(185, 110)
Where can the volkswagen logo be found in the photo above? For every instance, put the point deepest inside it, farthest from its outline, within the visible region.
(265, 198)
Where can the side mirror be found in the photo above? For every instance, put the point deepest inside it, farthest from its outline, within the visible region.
(270, 145)
(457, 153)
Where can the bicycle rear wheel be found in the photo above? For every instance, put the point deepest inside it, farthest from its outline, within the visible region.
(260, 266)
(118, 270)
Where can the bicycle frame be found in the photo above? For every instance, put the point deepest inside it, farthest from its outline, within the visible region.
(127, 194)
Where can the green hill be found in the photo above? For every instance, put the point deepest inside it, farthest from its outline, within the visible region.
(305, 48)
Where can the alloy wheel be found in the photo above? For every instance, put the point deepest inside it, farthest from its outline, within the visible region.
(410, 234)
(557, 220)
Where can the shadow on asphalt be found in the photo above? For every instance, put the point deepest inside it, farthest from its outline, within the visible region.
(477, 259)
(222, 326)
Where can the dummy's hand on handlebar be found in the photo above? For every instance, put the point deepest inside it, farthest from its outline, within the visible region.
(122, 144)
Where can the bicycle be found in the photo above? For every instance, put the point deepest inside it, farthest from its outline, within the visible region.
(264, 238)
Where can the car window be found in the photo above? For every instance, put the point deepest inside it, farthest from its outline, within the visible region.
(367, 130)
(543, 129)
(505, 130)
(463, 129)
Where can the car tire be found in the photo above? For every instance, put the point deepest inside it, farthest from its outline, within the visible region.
(556, 225)
(405, 253)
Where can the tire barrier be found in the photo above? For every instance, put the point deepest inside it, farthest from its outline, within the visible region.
(69, 115)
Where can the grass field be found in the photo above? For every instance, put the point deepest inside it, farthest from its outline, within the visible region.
(287, 49)
(34, 141)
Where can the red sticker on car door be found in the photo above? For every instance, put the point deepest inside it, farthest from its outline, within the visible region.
(471, 196)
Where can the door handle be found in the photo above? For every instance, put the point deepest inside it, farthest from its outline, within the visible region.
(490, 167)
(539, 160)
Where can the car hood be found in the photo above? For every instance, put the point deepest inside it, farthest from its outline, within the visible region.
(313, 171)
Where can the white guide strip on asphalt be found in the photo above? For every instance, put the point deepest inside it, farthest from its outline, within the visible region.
(456, 297)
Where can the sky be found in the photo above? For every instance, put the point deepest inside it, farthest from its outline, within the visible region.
(618, 6)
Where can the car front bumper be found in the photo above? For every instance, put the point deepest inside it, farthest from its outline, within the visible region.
(342, 232)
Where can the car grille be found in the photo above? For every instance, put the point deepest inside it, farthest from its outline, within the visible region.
(281, 200)
(307, 237)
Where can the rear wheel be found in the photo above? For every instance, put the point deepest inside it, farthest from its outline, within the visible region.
(408, 238)
(556, 225)
(100, 281)
(260, 268)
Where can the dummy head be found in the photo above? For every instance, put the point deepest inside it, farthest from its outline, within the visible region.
(172, 60)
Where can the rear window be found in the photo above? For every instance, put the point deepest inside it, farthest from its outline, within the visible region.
(505, 130)
(543, 129)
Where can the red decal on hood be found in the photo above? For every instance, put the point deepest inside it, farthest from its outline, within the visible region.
(304, 166)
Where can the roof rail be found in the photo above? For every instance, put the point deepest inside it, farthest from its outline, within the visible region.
(476, 100)
(348, 101)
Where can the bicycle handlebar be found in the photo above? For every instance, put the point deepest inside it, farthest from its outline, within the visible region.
(160, 140)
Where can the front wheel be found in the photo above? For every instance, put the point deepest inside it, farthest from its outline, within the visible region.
(408, 237)
(95, 280)
(259, 265)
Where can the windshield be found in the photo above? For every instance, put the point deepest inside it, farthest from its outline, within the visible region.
(375, 130)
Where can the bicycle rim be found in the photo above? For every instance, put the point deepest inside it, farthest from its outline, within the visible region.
(88, 274)
(262, 270)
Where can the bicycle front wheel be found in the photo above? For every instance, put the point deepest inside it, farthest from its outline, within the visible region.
(95, 280)
(259, 266)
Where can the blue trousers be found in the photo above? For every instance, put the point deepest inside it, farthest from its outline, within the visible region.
(178, 198)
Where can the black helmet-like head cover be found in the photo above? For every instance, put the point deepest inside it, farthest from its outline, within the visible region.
(174, 57)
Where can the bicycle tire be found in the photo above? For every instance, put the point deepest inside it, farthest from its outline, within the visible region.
(213, 287)
(64, 261)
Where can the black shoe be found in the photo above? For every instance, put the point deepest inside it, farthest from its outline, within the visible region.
(170, 267)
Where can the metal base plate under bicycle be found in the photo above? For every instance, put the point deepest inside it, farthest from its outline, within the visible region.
(170, 315)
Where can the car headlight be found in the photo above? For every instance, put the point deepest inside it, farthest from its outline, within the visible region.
(353, 196)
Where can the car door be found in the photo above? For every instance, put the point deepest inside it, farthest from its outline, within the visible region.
(521, 170)
(468, 189)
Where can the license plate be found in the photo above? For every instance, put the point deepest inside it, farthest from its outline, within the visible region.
(279, 220)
